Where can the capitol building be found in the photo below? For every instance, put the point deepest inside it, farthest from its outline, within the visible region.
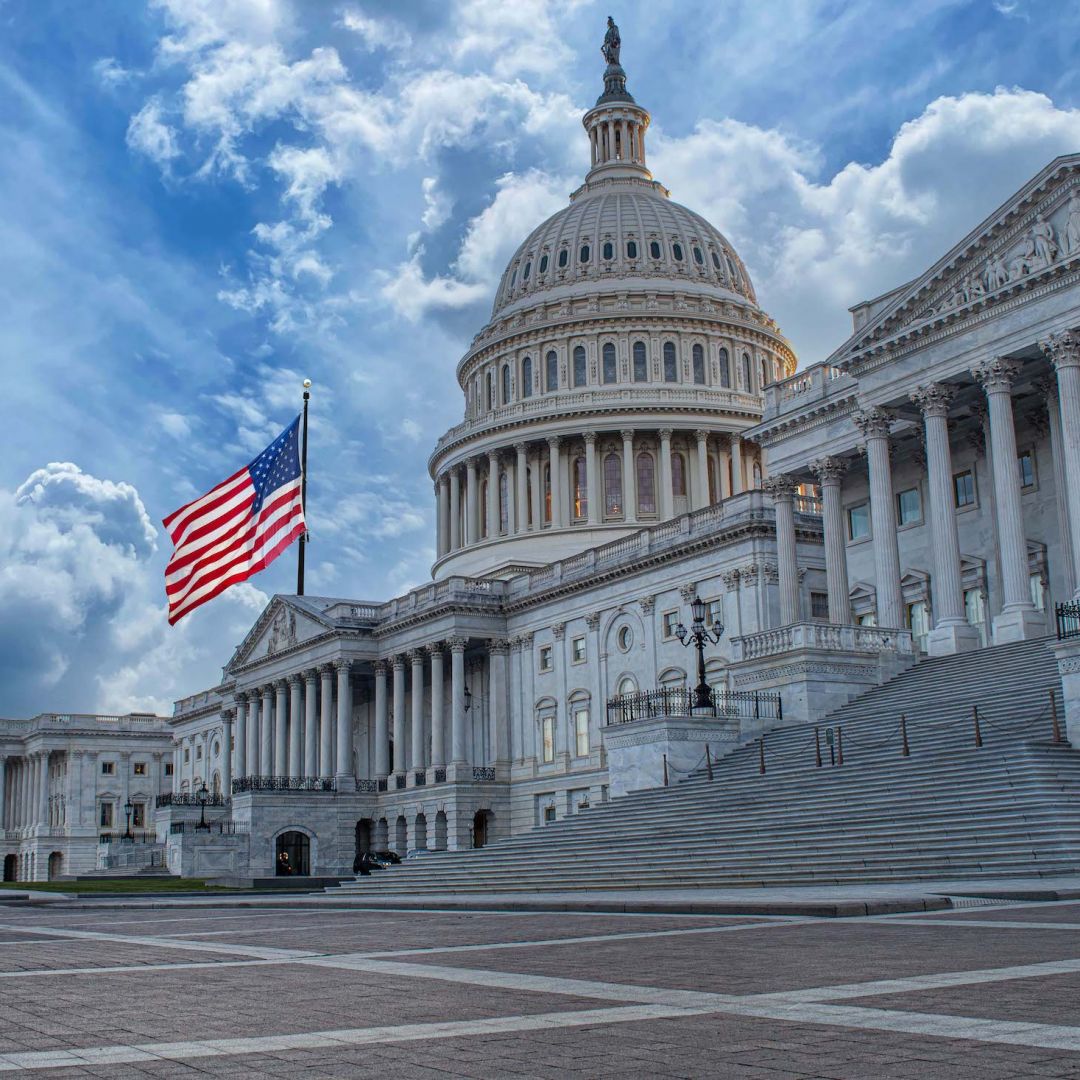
(637, 434)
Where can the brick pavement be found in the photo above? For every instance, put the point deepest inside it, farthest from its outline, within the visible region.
(987, 993)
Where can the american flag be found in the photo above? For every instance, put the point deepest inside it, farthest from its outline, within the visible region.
(237, 528)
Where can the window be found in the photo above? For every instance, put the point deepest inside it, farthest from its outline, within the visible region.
(579, 365)
(217, 748)
(631, 249)
(678, 476)
(168, 768)
(543, 264)
(504, 503)
(641, 363)
(725, 369)
(577, 650)
(581, 489)
(513, 278)
(610, 372)
(676, 252)
(526, 377)
(528, 268)
(581, 732)
(715, 260)
(547, 726)
(918, 619)
(698, 257)
(964, 489)
(819, 605)
(1026, 462)
(714, 612)
(714, 490)
(654, 249)
(547, 493)
(506, 384)
(646, 484)
(625, 640)
(671, 372)
(198, 752)
(698, 354)
(551, 362)
(613, 498)
(546, 655)
(583, 254)
(975, 612)
(608, 251)
(139, 768)
(187, 754)
(858, 521)
(483, 506)
(1038, 591)
(746, 384)
(108, 768)
(105, 817)
(668, 621)
(868, 618)
(138, 815)
(908, 507)
(627, 686)
(763, 373)
(549, 811)
(564, 258)
(490, 392)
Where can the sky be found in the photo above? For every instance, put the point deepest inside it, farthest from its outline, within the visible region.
(206, 201)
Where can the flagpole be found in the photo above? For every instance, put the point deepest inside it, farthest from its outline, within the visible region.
(303, 494)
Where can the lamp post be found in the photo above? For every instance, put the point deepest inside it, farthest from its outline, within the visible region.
(698, 635)
(128, 808)
(201, 794)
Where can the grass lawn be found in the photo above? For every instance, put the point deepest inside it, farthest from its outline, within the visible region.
(120, 885)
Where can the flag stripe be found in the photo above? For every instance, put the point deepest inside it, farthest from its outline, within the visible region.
(175, 520)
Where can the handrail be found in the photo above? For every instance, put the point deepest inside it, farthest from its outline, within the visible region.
(679, 701)
(186, 798)
(283, 783)
(1068, 620)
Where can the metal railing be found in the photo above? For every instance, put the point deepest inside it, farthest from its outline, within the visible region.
(283, 783)
(135, 836)
(1068, 620)
(679, 701)
(483, 772)
(399, 781)
(367, 785)
(440, 776)
(185, 798)
(217, 828)
(419, 777)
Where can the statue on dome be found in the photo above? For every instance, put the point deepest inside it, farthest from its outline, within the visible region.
(612, 43)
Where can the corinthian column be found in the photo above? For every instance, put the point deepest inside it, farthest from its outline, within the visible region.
(783, 489)
(521, 503)
(1018, 619)
(472, 503)
(326, 720)
(830, 474)
(874, 425)
(281, 714)
(1063, 351)
(241, 734)
(951, 633)
(416, 694)
(296, 724)
(438, 718)
(457, 701)
(382, 723)
(629, 480)
(558, 513)
(701, 488)
(266, 733)
(455, 509)
(226, 751)
(345, 777)
(493, 495)
(667, 504)
(399, 714)
(311, 724)
(592, 480)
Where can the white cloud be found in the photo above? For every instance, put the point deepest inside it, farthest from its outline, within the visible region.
(111, 73)
(437, 204)
(413, 295)
(514, 39)
(148, 134)
(376, 33)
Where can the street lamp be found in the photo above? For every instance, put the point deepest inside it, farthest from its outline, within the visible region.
(698, 635)
(467, 695)
(128, 808)
(201, 794)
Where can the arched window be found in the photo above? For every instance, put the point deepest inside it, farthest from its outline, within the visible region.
(513, 278)
(490, 391)
(716, 260)
(564, 258)
(631, 249)
(646, 484)
(483, 506)
(678, 476)
(579, 365)
(506, 384)
(526, 377)
(641, 362)
(654, 249)
(528, 270)
(725, 369)
(543, 264)
(583, 254)
(746, 372)
(671, 371)
(610, 373)
(627, 686)
(552, 364)
(699, 364)
(757, 475)
(504, 503)
(613, 500)
(608, 251)
(698, 257)
(676, 251)
(547, 493)
(581, 489)
(763, 371)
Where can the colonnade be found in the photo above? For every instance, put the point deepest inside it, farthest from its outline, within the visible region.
(24, 790)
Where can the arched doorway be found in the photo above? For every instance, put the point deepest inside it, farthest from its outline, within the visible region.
(401, 844)
(420, 832)
(382, 835)
(11, 867)
(363, 836)
(293, 854)
(481, 830)
(440, 831)
(56, 865)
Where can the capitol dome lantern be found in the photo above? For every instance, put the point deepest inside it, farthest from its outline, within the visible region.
(624, 357)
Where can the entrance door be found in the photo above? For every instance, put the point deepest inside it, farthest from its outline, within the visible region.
(363, 836)
(293, 854)
(480, 836)
(56, 864)
(11, 867)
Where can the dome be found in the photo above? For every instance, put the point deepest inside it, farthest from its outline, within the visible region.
(625, 231)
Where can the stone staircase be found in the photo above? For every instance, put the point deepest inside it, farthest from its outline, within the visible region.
(949, 810)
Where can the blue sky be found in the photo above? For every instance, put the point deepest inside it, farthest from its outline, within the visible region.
(205, 201)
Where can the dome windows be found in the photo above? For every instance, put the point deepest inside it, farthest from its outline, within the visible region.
(526, 377)
(641, 362)
(584, 254)
(631, 249)
(646, 485)
(608, 251)
(525, 274)
(513, 279)
(579, 365)
(543, 264)
(698, 358)
(677, 252)
(506, 384)
(725, 369)
(671, 371)
(698, 257)
(551, 371)
(610, 369)
(654, 248)
(564, 258)
(613, 488)
(716, 261)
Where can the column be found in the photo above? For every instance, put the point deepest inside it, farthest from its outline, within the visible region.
(592, 479)
(457, 701)
(382, 732)
(43, 786)
(701, 487)
(296, 723)
(874, 425)
(472, 503)
(455, 509)
(398, 665)
(1049, 388)
(1063, 351)
(438, 718)
(416, 694)
(782, 489)
(514, 708)
(241, 734)
(555, 458)
(951, 633)
(667, 507)
(265, 732)
(345, 776)
(326, 720)
(521, 475)
(538, 491)
(311, 724)
(443, 504)
(226, 753)
(738, 480)
(493, 495)
(497, 696)
(1018, 619)
(830, 473)
(511, 496)
(281, 763)
(629, 476)
(4, 823)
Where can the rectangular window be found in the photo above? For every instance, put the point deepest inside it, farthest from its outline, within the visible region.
(549, 814)
(1038, 592)
(187, 755)
(858, 521)
(198, 752)
(964, 488)
(168, 768)
(714, 612)
(581, 732)
(105, 819)
(139, 768)
(670, 620)
(908, 507)
(868, 619)
(138, 815)
(108, 768)
(547, 726)
(577, 647)
(545, 658)
(1026, 463)
(975, 612)
(918, 616)
(819, 605)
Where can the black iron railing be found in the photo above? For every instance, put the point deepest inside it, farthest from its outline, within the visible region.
(679, 701)
(399, 781)
(483, 772)
(185, 798)
(135, 836)
(218, 828)
(419, 777)
(383, 784)
(367, 785)
(283, 783)
(440, 776)
(1068, 620)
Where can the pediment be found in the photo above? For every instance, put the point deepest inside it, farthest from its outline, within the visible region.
(281, 627)
(1031, 238)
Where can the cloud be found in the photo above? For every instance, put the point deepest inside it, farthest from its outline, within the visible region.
(148, 134)
(111, 73)
(376, 33)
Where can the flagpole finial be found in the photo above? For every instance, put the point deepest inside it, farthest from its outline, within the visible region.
(307, 384)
